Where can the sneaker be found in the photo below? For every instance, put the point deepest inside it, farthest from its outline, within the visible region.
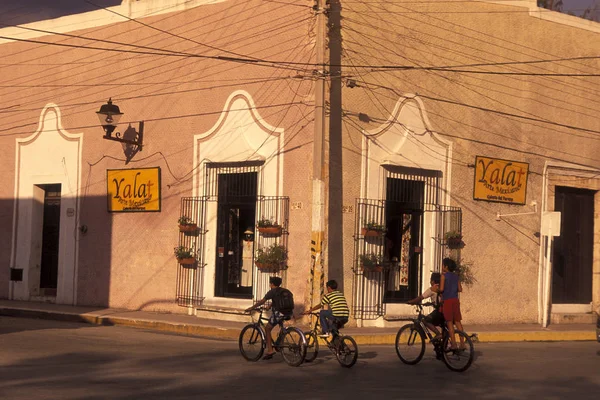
(325, 335)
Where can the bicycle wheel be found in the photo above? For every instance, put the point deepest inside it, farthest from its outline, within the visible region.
(252, 343)
(347, 351)
(458, 360)
(410, 344)
(293, 346)
(312, 346)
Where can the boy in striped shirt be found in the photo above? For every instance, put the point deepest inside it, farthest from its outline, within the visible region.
(334, 307)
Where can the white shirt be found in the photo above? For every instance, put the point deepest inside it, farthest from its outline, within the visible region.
(431, 295)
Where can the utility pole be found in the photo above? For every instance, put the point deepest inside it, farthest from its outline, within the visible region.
(318, 186)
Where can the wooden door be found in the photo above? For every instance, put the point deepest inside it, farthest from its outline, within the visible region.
(573, 249)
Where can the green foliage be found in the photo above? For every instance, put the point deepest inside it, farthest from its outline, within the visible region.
(183, 220)
(465, 273)
(274, 254)
(370, 260)
(183, 252)
(374, 226)
(266, 223)
(453, 235)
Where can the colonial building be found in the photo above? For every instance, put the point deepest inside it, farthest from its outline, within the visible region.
(450, 129)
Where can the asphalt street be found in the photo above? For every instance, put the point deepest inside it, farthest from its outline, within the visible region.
(58, 360)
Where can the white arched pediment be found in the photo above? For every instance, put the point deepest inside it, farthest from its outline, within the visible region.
(51, 155)
(239, 135)
(406, 140)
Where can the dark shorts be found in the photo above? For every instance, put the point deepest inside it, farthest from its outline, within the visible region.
(451, 309)
(435, 318)
(340, 321)
(277, 317)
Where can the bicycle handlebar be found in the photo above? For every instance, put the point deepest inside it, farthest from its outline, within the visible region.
(259, 309)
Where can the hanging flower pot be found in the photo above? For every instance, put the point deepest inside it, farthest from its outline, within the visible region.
(188, 228)
(454, 240)
(268, 227)
(185, 256)
(189, 262)
(366, 232)
(371, 262)
(274, 230)
(186, 224)
(454, 243)
(372, 268)
(271, 258)
(266, 267)
(372, 229)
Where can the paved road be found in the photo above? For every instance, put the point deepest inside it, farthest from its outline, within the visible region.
(58, 360)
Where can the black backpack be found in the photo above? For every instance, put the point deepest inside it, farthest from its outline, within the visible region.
(283, 301)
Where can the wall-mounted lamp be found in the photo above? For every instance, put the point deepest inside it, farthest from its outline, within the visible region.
(248, 235)
(109, 116)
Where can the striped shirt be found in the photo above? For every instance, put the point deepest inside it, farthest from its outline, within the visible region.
(337, 304)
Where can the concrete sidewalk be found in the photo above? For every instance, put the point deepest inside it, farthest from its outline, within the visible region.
(226, 330)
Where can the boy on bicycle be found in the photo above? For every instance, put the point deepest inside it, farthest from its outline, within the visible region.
(277, 316)
(435, 318)
(334, 307)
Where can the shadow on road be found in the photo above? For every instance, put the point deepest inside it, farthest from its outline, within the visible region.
(10, 325)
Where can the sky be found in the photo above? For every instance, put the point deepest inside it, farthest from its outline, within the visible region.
(14, 12)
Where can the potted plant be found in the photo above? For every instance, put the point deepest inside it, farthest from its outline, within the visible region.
(271, 259)
(267, 227)
(453, 240)
(185, 255)
(372, 228)
(464, 269)
(371, 262)
(186, 224)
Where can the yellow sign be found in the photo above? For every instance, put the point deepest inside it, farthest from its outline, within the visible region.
(500, 180)
(133, 190)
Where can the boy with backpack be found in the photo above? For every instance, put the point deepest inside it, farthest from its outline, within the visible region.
(282, 305)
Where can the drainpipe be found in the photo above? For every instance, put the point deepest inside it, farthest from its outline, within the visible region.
(541, 274)
(318, 186)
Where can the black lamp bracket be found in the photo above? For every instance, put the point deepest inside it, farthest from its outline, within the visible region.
(136, 141)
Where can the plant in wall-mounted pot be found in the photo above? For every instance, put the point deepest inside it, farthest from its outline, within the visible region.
(271, 259)
(454, 240)
(267, 227)
(371, 262)
(186, 224)
(465, 273)
(372, 229)
(185, 256)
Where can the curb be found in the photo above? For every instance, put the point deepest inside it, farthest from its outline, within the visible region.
(212, 332)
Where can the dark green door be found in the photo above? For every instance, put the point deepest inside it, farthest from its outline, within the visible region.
(573, 249)
(236, 213)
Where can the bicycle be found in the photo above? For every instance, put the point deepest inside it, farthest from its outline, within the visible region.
(342, 346)
(290, 341)
(410, 343)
